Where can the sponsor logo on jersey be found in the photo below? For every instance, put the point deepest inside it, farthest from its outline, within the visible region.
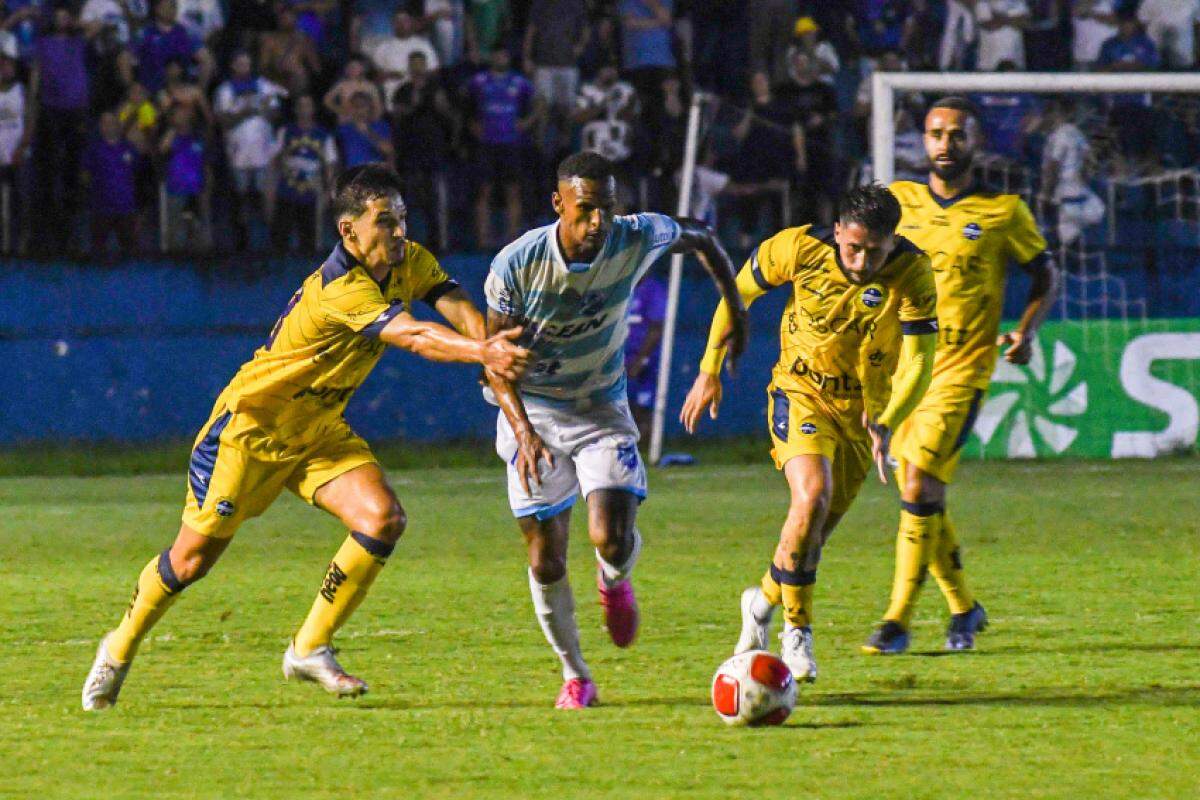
(225, 508)
(838, 384)
(808, 428)
(328, 395)
(972, 231)
(872, 296)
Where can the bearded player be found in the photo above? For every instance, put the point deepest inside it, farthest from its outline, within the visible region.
(971, 236)
(861, 307)
(278, 424)
(565, 427)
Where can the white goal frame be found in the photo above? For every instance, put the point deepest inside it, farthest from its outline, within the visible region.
(884, 86)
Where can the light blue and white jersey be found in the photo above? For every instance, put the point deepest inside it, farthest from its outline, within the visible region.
(574, 314)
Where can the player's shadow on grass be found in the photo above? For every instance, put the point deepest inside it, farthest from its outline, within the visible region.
(1051, 696)
(1097, 647)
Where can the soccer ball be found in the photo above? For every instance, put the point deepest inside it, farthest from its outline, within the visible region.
(753, 688)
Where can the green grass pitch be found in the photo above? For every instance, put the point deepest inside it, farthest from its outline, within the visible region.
(1087, 685)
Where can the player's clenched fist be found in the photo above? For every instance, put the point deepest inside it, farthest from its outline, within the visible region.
(504, 358)
(704, 394)
(1020, 347)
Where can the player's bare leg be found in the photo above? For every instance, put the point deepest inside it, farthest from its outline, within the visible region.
(612, 517)
(793, 572)
(554, 604)
(185, 562)
(363, 501)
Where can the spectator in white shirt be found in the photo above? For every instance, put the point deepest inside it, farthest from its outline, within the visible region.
(958, 35)
(1000, 33)
(1094, 22)
(1171, 25)
(1063, 182)
(202, 18)
(121, 16)
(247, 107)
(390, 56)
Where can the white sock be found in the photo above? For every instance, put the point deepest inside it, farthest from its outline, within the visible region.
(612, 575)
(554, 606)
(761, 608)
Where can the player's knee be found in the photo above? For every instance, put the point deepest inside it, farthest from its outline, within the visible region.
(811, 500)
(547, 567)
(191, 566)
(386, 523)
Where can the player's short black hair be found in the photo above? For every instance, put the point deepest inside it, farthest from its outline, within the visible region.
(872, 206)
(360, 185)
(586, 164)
(957, 103)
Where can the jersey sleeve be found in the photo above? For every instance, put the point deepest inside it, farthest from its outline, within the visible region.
(500, 289)
(777, 260)
(430, 281)
(1025, 241)
(657, 233)
(358, 305)
(918, 299)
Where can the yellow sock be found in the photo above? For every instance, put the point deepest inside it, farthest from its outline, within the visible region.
(156, 590)
(796, 592)
(916, 540)
(347, 580)
(770, 587)
(947, 568)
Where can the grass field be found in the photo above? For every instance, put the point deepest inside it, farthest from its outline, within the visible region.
(1087, 685)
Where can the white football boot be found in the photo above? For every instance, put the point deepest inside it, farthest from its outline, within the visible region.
(754, 627)
(104, 680)
(797, 653)
(321, 667)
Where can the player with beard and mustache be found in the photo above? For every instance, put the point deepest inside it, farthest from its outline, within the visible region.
(971, 235)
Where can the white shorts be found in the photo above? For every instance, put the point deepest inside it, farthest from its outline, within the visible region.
(593, 449)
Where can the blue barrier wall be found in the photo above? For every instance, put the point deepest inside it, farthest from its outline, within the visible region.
(138, 352)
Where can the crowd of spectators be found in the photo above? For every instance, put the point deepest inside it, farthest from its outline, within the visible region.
(126, 125)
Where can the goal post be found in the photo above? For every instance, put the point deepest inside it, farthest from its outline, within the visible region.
(884, 86)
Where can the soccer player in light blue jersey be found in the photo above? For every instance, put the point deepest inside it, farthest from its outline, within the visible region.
(565, 427)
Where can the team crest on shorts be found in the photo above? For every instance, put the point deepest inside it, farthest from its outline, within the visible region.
(972, 231)
(872, 296)
(808, 428)
(225, 508)
(627, 455)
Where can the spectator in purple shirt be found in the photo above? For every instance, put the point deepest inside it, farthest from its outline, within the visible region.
(59, 85)
(362, 139)
(110, 165)
(504, 110)
(1135, 119)
(647, 310)
(187, 179)
(163, 40)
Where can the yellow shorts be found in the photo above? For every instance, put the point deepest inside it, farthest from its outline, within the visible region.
(230, 480)
(800, 427)
(932, 437)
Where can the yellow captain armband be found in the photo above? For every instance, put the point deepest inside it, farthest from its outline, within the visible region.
(913, 373)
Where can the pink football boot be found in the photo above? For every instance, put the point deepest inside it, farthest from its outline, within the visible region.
(577, 693)
(620, 610)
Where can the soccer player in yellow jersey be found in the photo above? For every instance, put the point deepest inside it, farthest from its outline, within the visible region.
(861, 304)
(971, 235)
(278, 424)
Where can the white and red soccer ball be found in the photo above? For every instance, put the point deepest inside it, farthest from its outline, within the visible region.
(754, 688)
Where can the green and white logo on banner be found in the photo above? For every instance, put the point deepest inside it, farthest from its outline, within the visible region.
(1103, 388)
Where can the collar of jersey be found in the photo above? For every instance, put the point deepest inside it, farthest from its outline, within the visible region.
(575, 267)
(903, 246)
(944, 202)
(340, 262)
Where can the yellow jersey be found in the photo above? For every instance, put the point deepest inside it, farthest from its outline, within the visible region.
(839, 339)
(970, 239)
(324, 346)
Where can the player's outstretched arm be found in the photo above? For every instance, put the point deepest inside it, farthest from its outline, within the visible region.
(705, 394)
(456, 307)
(698, 238)
(1043, 293)
(912, 377)
(530, 447)
(436, 342)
